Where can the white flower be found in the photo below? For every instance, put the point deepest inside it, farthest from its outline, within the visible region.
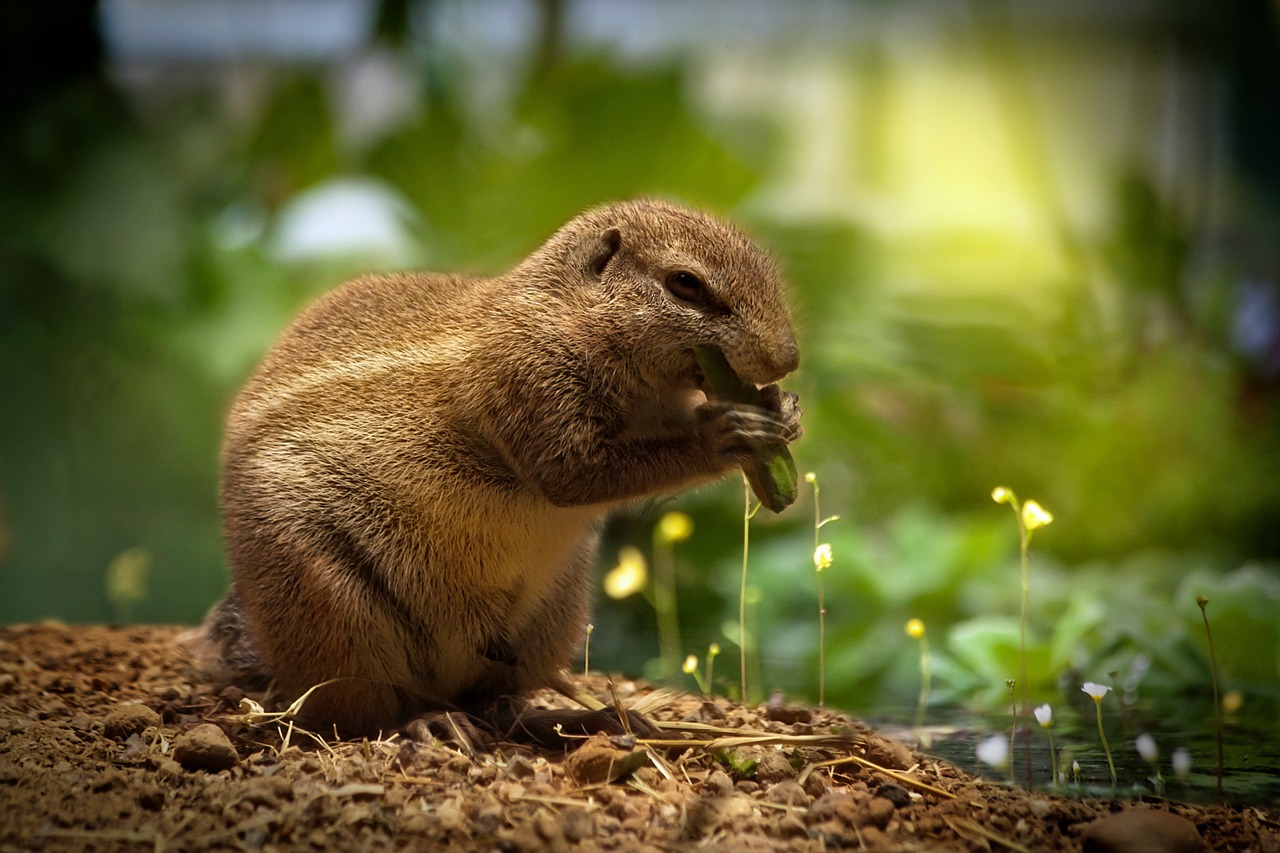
(1044, 715)
(1034, 515)
(1097, 691)
(994, 751)
(1146, 746)
(1181, 762)
(822, 556)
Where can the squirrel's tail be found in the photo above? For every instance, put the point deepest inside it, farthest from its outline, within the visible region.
(223, 650)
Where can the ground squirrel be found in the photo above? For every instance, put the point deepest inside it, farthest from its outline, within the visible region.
(414, 478)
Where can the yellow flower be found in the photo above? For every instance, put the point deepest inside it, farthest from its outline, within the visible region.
(629, 576)
(675, 527)
(1034, 515)
(1002, 495)
(126, 580)
(691, 664)
(713, 650)
(810, 477)
(822, 556)
(915, 628)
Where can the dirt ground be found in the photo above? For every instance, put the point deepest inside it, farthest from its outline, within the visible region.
(107, 744)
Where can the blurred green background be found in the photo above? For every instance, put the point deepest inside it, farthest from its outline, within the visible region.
(1031, 245)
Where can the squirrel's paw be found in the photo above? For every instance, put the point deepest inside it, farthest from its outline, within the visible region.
(733, 430)
(786, 404)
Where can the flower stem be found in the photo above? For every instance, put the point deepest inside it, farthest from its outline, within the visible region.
(1203, 601)
(1053, 760)
(822, 610)
(742, 592)
(1013, 731)
(1105, 747)
(1024, 545)
(664, 599)
(925, 675)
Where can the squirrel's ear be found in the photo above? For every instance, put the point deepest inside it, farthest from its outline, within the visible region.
(603, 251)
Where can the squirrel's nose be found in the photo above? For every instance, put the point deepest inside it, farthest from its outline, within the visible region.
(778, 362)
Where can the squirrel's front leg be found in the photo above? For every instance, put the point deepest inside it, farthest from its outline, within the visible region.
(610, 467)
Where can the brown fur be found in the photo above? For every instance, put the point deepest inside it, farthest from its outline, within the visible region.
(414, 477)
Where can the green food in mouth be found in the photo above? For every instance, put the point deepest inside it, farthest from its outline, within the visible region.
(771, 471)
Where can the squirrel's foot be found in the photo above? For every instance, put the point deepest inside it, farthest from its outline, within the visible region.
(511, 721)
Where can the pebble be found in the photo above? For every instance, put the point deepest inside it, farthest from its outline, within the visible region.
(1142, 831)
(205, 747)
(787, 793)
(577, 824)
(894, 793)
(773, 767)
(127, 720)
(888, 752)
(719, 783)
(878, 812)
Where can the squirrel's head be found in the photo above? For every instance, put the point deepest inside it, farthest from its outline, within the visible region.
(672, 278)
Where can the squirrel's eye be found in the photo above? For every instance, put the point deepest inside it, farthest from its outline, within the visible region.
(684, 285)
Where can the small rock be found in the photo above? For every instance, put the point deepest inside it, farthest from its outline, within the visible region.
(231, 696)
(815, 785)
(577, 824)
(151, 797)
(877, 812)
(773, 767)
(597, 762)
(871, 838)
(519, 767)
(834, 806)
(888, 752)
(894, 793)
(205, 747)
(779, 712)
(719, 783)
(791, 826)
(108, 779)
(487, 821)
(129, 720)
(548, 830)
(266, 791)
(1142, 831)
(788, 793)
(1040, 808)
